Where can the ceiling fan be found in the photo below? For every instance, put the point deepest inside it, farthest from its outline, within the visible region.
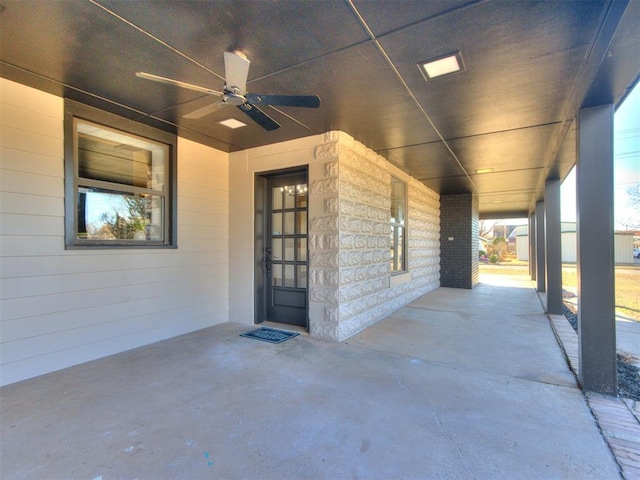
(236, 66)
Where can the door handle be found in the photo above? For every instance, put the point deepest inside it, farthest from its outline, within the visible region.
(267, 261)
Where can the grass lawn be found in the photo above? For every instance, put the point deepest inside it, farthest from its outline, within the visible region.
(627, 284)
(627, 288)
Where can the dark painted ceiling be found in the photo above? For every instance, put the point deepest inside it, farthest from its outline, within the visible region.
(529, 67)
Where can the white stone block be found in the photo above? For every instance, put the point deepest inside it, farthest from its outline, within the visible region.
(327, 186)
(324, 224)
(323, 259)
(326, 151)
(347, 241)
(331, 169)
(331, 205)
(324, 295)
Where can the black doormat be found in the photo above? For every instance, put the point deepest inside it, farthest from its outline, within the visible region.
(270, 335)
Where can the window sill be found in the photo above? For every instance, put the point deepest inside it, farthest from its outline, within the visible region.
(399, 279)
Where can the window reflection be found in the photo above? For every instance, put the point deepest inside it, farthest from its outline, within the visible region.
(109, 215)
(398, 208)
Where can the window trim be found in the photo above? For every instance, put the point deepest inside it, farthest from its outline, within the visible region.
(403, 268)
(77, 111)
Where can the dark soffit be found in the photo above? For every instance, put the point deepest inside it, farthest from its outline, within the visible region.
(529, 67)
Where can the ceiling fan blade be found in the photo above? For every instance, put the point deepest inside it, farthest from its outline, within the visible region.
(177, 83)
(206, 110)
(308, 101)
(236, 70)
(258, 116)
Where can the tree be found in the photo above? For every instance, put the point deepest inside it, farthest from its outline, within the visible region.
(630, 222)
(498, 247)
(486, 227)
(634, 195)
(125, 226)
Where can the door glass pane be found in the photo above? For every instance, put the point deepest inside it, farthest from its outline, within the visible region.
(289, 280)
(276, 245)
(302, 195)
(302, 276)
(277, 198)
(289, 196)
(276, 226)
(288, 250)
(302, 223)
(276, 274)
(289, 223)
(302, 249)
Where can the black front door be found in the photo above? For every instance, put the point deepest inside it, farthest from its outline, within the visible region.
(285, 249)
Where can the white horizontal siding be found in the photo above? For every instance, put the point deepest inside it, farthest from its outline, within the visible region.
(36, 225)
(22, 161)
(63, 307)
(20, 203)
(29, 99)
(30, 183)
(62, 358)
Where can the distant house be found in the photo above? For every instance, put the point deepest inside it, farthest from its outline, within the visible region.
(623, 245)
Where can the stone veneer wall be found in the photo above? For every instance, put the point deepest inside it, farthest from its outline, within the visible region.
(350, 286)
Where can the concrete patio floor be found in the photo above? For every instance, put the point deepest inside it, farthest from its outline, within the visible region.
(459, 384)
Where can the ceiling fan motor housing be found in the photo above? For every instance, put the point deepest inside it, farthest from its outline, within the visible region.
(231, 98)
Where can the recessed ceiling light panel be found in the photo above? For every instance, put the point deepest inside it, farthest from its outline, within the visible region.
(443, 65)
(232, 123)
(484, 170)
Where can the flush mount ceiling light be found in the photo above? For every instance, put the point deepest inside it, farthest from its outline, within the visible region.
(232, 123)
(484, 170)
(443, 65)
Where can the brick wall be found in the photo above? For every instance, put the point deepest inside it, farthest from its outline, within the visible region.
(459, 225)
(350, 285)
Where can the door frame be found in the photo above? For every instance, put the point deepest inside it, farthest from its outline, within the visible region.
(261, 208)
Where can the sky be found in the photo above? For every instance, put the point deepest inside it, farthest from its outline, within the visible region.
(626, 160)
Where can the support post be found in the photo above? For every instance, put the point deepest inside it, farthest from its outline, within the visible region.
(541, 276)
(596, 293)
(553, 246)
(532, 246)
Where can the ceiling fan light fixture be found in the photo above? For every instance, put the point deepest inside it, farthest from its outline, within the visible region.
(232, 123)
(444, 65)
(480, 171)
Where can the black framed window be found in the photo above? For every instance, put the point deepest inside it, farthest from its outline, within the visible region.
(119, 181)
(398, 227)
